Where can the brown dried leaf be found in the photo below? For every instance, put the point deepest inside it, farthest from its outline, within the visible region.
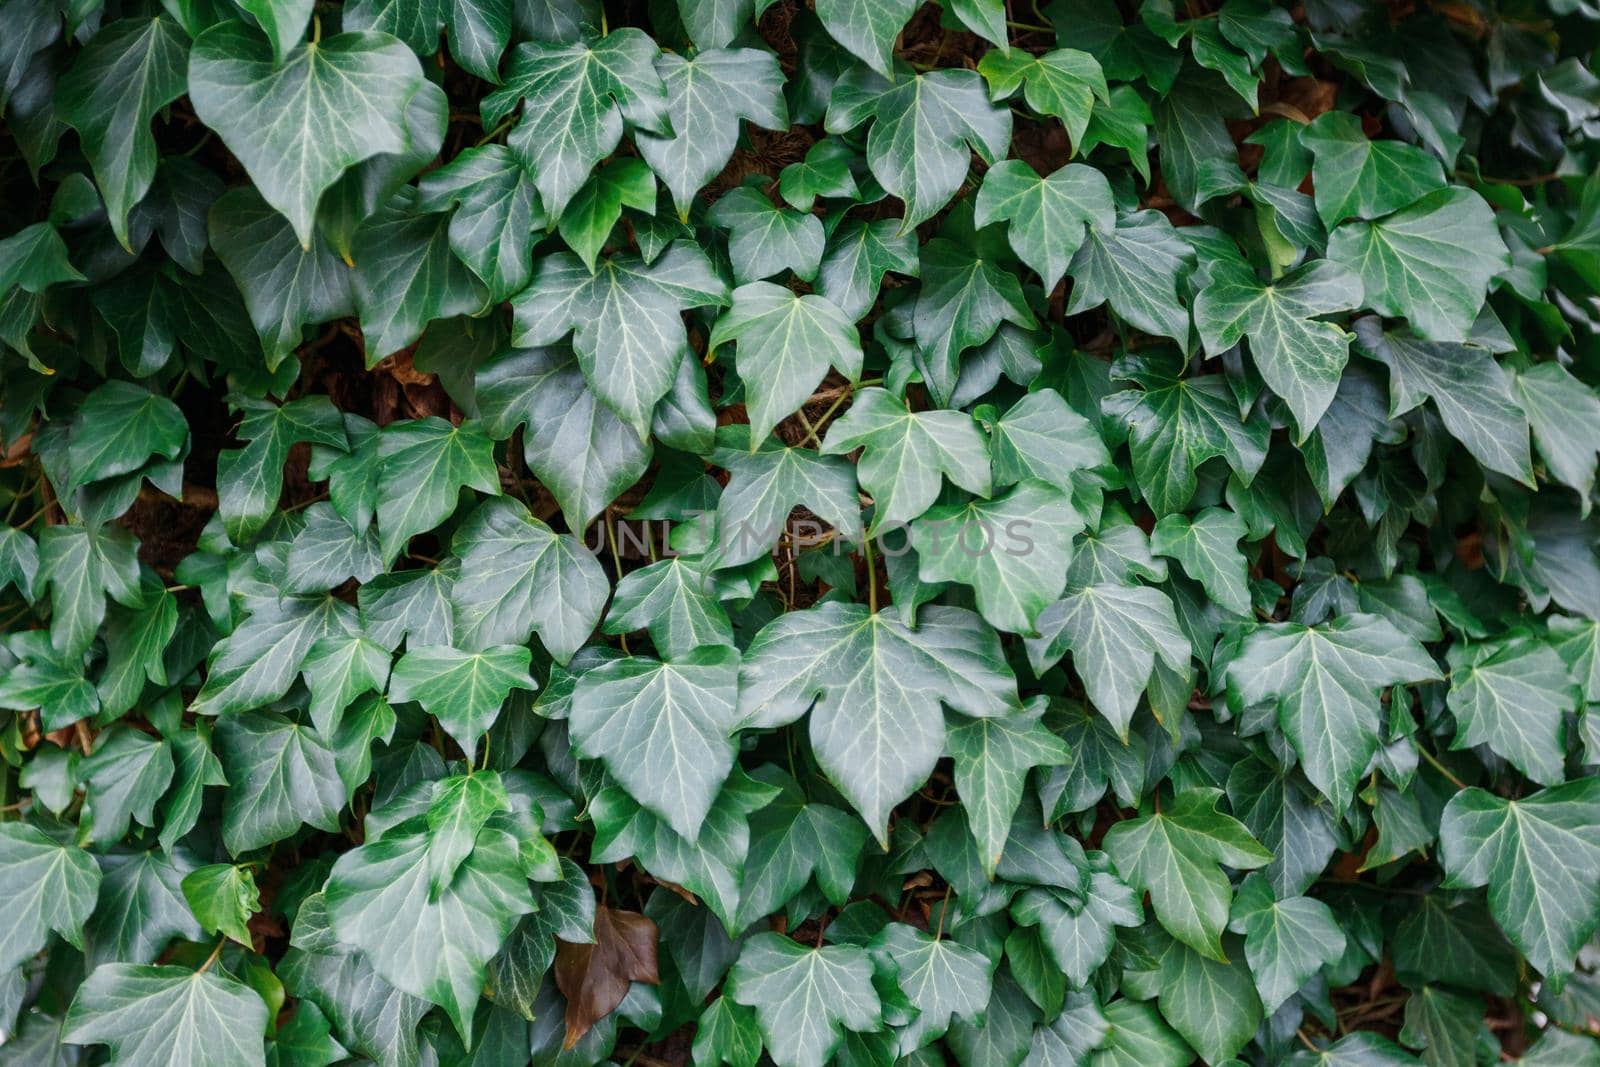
(594, 978)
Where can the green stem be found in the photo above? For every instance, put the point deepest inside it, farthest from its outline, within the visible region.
(1433, 761)
(872, 573)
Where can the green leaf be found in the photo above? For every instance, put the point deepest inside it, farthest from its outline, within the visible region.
(963, 300)
(1365, 179)
(82, 566)
(1078, 929)
(924, 125)
(664, 730)
(1513, 696)
(496, 215)
(1121, 636)
(1012, 551)
(1565, 416)
(1176, 854)
(858, 256)
(1139, 1038)
(867, 28)
(379, 900)
(1043, 439)
(727, 1033)
(707, 96)
(281, 775)
(992, 759)
(941, 979)
(595, 208)
(1065, 83)
(805, 998)
(478, 31)
(768, 483)
(425, 463)
(223, 897)
(1540, 858)
(1176, 424)
(575, 99)
(463, 690)
(123, 778)
(338, 669)
(785, 344)
(141, 908)
(624, 319)
(1325, 682)
(675, 601)
(1136, 268)
(792, 842)
(1207, 548)
(258, 662)
(517, 577)
(406, 276)
(127, 73)
(904, 453)
(35, 258)
(1285, 941)
(49, 886)
(250, 479)
(285, 287)
(298, 126)
(765, 239)
(1212, 1003)
(1047, 216)
(1300, 358)
(1430, 262)
(1470, 390)
(874, 688)
(169, 1015)
(462, 805)
(825, 172)
(57, 689)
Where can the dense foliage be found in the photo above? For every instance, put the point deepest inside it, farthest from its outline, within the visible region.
(849, 531)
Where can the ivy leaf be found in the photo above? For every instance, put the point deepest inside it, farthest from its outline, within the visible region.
(327, 551)
(664, 730)
(992, 759)
(1366, 179)
(575, 445)
(594, 210)
(1136, 268)
(624, 319)
(258, 662)
(707, 96)
(825, 172)
(1540, 858)
(463, 690)
(168, 1015)
(1565, 416)
(1012, 551)
(805, 998)
(792, 842)
(674, 599)
(594, 977)
(1430, 262)
(940, 978)
(338, 669)
(250, 479)
(924, 125)
(1470, 390)
(425, 463)
(285, 287)
(496, 215)
(1207, 548)
(127, 72)
(50, 886)
(858, 255)
(380, 901)
(1285, 941)
(869, 678)
(58, 690)
(765, 239)
(1078, 929)
(1176, 424)
(281, 774)
(1325, 681)
(332, 104)
(1064, 82)
(1117, 632)
(575, 97)
(1212, 1003)
(35, 258)
(223, 897)
(963, 300)
(1301, 359)
(479, 32)
(1043, 439)
(786, 343)
(82, 566)
(1513, 696)
(867, 28)
(517, 576)
(1047, 216)
(461, 806)
(1176, 854)
(904, 453)
(406, 276)
(768, 483)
